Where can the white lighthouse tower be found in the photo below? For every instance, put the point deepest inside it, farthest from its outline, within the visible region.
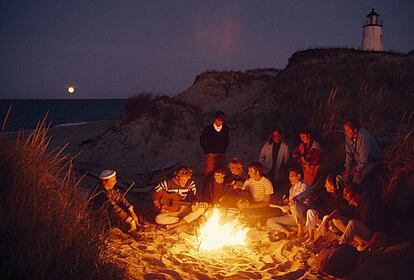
(372, 33)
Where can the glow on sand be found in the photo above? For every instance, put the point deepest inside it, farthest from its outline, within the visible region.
(213, 235)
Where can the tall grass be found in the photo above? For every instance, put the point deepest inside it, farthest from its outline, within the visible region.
(46, 228)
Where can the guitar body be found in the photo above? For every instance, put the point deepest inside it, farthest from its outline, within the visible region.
(169, 201)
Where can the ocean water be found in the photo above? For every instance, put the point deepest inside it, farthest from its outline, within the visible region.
(26, 113)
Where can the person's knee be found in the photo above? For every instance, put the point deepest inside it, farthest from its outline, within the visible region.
(353, 223)
(166, 220)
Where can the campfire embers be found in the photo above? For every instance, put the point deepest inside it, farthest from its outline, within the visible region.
(214, 234)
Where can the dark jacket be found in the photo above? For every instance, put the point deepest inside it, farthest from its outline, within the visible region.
(214, 142)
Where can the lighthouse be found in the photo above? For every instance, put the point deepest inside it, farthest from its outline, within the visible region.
(372, 33)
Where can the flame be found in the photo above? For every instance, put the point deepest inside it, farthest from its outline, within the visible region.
(213, 235)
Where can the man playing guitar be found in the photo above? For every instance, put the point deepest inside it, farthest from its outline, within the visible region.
(170, 195)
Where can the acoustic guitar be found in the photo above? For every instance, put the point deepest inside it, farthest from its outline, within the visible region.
(169, 201)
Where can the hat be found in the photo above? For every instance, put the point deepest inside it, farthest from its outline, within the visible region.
(107, 174)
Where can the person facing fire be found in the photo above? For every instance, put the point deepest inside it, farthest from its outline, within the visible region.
(175, 200)
(308, 156)
(299, 192)
(215, 186)
(367, 229)
(120, 211)
(214, 140)
(259, 189)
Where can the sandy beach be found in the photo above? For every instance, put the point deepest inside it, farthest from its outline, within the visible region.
(156, 253)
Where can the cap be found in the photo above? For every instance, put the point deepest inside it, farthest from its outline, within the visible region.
(107, 174)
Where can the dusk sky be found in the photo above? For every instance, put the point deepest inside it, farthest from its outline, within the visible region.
(113, 49)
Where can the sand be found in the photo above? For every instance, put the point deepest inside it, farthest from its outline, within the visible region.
(160, 254)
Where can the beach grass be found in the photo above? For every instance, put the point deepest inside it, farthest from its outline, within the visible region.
(47, 230)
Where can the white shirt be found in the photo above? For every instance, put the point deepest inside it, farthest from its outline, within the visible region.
(299, 191)
(258, 189)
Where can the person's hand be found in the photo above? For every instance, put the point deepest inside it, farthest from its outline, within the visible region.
(136, 220)
(132, 226)
(157, 204)
(243, 204)
(357, 176)
(201, 204)
(236, 185)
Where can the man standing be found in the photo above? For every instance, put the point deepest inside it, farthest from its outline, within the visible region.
(119, 209)
(362, 153)
(214, 140)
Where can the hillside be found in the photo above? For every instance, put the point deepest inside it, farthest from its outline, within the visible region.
(317, 89)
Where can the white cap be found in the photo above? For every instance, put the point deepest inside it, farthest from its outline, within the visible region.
(106, 174)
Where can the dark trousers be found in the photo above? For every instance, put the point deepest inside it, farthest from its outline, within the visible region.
(214, 161)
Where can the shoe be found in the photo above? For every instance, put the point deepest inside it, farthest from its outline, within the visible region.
(277, 237)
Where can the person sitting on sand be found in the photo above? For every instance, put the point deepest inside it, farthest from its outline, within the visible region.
(299, 192)
(308, 156)
(234, 182)
(120, 211)
(329, 204)
(259, 189)
(366, 231)
(184, 188)
(237, 177)
(215, 186)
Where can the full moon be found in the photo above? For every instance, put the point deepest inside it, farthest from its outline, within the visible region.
(71, 90)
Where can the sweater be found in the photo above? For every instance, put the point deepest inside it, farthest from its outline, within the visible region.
(214, 142)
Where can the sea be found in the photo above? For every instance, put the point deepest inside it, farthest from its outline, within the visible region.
(26, 113)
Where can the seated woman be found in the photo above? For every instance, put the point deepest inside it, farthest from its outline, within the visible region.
(327, 204)
(172, 198)
(298, 193)
(308, 156)
(367, 229)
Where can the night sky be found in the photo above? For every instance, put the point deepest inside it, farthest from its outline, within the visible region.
(113, 49)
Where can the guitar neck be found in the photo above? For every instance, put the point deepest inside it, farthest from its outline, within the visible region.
(183, 203)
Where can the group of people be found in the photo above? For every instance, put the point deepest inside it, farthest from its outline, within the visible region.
(345, 206)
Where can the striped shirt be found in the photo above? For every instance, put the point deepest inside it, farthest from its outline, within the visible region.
(187, 192)
(258, 189)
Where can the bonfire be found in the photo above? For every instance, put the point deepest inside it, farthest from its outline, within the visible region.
(214, 235)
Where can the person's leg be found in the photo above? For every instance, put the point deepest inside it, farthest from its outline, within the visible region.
(278, 223)
(312, 216)
(209, 164)
(356, 229)
(340, 223)
(188, 218)
(167, 218)
(369, 169)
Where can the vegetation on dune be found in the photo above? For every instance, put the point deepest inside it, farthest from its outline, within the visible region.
(47, 230)
(163, 112)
